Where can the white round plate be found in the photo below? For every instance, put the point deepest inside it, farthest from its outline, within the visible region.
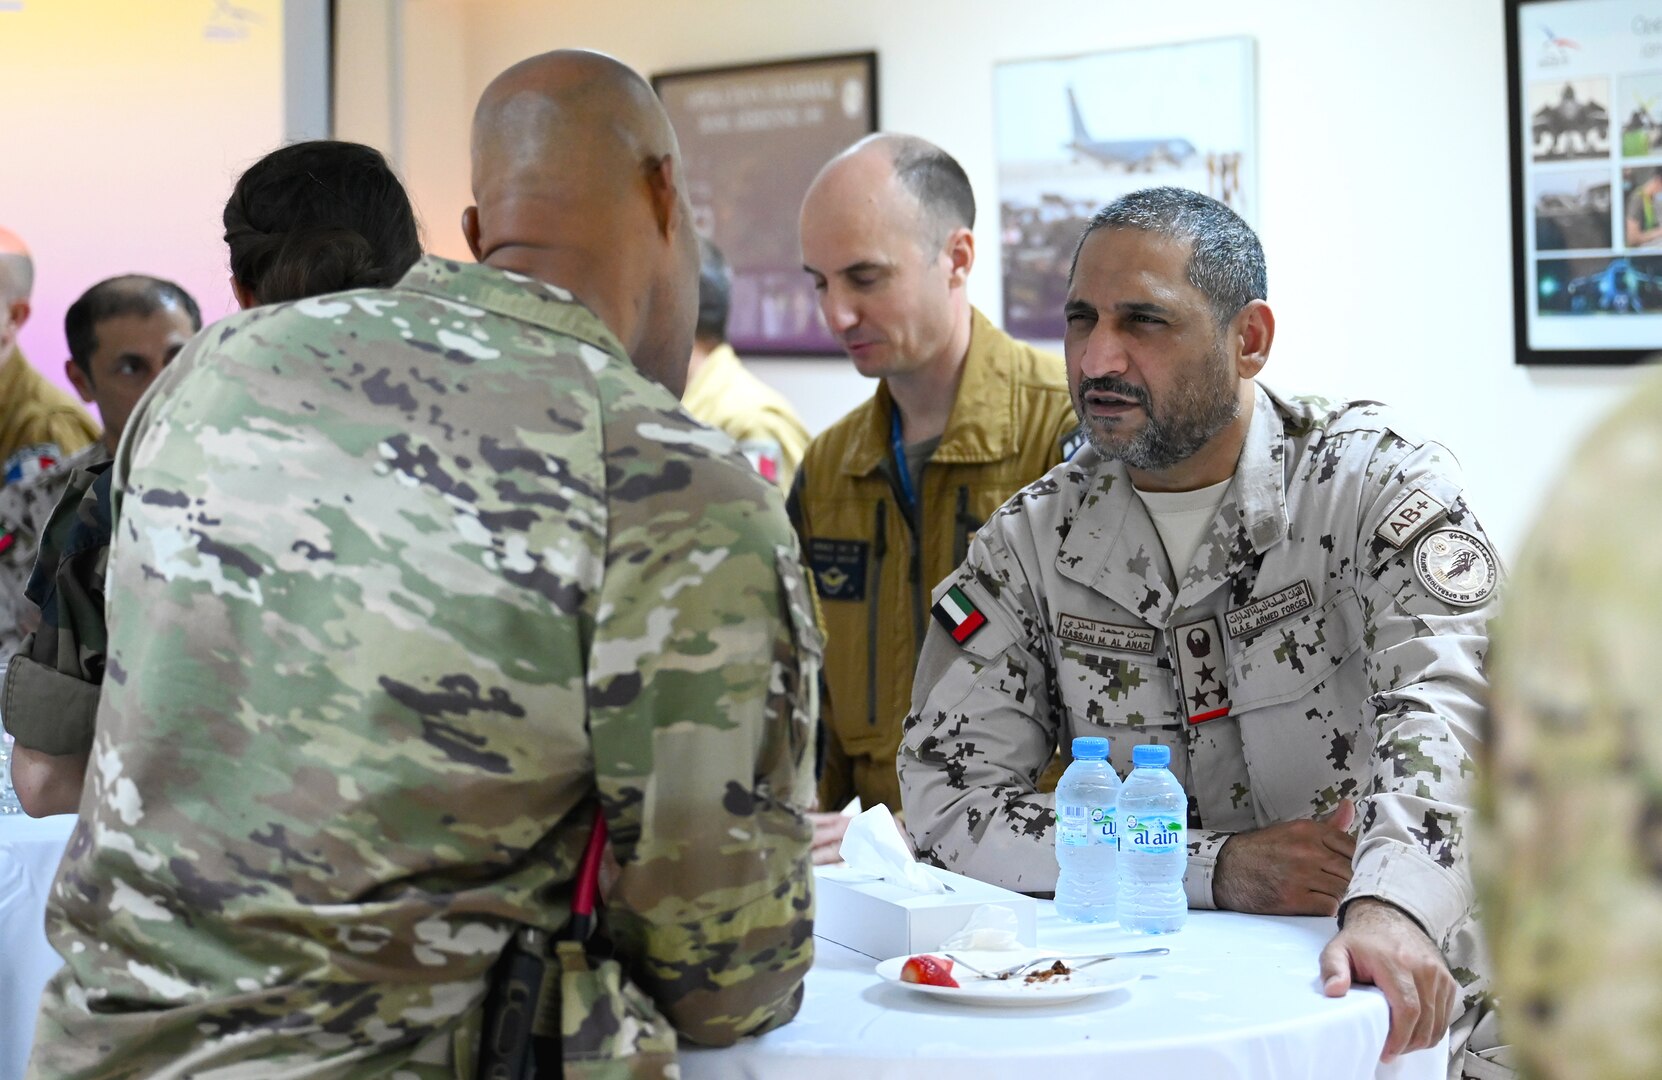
(972, 989)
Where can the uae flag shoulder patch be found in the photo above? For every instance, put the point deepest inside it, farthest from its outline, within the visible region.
(958, 615)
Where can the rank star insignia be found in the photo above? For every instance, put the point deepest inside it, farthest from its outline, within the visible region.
(1198, 649)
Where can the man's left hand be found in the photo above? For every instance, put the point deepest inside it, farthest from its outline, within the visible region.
(1381, 945)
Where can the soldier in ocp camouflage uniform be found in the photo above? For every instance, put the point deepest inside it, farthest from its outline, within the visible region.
(403, 582)
(1291, 594)
(1571, 858)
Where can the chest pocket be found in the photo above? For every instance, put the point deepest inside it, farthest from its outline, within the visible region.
(1287, 660)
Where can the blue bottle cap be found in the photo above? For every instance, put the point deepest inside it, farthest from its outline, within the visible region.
(1090, 748)
(1150, 756)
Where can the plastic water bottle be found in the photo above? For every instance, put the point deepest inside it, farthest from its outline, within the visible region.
(1087, 842)
(8, 796)
(1154, 845)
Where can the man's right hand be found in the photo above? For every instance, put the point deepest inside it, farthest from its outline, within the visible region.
(1291, 868)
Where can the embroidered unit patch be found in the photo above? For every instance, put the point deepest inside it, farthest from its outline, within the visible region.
(839, 568)
(1456, 567)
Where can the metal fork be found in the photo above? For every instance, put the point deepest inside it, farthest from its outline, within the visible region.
(1082, 962)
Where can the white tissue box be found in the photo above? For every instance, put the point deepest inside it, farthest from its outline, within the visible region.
(882, 920)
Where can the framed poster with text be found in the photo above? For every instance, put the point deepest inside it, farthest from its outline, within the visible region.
(1585, 93)
(753, 137)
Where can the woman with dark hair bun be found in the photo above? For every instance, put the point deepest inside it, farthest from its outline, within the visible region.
(318, 217)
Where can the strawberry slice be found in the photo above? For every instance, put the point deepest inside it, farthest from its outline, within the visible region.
(930, 970)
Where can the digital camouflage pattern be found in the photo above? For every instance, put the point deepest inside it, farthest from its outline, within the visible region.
(50, 702)
(1353, 680)
(1571, 858)
(25, 508)
(401, 580)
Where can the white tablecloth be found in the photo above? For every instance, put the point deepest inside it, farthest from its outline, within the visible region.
(29, 855)
(1237, 997)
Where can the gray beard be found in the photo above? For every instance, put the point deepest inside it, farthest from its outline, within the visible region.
(1171, 435)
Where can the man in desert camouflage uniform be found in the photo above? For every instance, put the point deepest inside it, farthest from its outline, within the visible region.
(404, 581)
(1291, 594)
(1571, 858)
(121, 333)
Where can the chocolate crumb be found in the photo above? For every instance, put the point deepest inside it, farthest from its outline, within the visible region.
(1058, 970)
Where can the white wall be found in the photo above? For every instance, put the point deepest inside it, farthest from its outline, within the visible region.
(1383, 172)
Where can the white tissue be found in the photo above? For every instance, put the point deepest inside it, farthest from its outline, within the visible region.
(993, 927)
(873, 846)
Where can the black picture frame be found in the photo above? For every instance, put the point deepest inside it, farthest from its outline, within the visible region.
(1559, 161)
(753, 136)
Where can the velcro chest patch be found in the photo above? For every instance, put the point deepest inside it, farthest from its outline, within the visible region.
(839, 568)
(1102, 635)
(1273, 608)
(1412, 513)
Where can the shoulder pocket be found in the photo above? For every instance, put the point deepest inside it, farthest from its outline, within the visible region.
(1284, 660)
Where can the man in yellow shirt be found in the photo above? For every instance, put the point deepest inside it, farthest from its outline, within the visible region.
(39, 424)
(889, 497)
(722, 392)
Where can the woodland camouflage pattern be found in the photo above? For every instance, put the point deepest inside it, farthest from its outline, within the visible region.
(1571, 858)
(400, 579)
(25, 507)
(1372, 690)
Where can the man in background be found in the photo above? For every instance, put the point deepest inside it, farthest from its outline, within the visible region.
(39, 424)
(889, 497)
(723, 393)
(1570, 855)
(405, 591)
(121, 333)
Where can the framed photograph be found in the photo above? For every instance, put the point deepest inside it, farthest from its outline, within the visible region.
(754, 137)
(1075, 133)
(1584, 86)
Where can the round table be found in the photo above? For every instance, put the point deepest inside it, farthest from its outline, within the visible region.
(1237, 997)
(30, 850)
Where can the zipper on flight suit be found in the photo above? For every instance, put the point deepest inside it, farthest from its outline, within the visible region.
(964, 523)
(874, 586)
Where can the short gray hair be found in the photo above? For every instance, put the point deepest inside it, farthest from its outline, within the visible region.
(1226, 261)
(937, 181)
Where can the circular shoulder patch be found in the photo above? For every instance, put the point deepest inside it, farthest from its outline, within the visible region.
(1456, 566)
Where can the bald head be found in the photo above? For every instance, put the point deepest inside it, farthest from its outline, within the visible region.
(887, 239)
(17, 281)
(17, 269)
(935, 182)
(577, 181)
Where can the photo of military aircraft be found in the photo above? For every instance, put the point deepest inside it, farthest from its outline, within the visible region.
(1621, 286)
(1130, 154)
(1566, 125)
